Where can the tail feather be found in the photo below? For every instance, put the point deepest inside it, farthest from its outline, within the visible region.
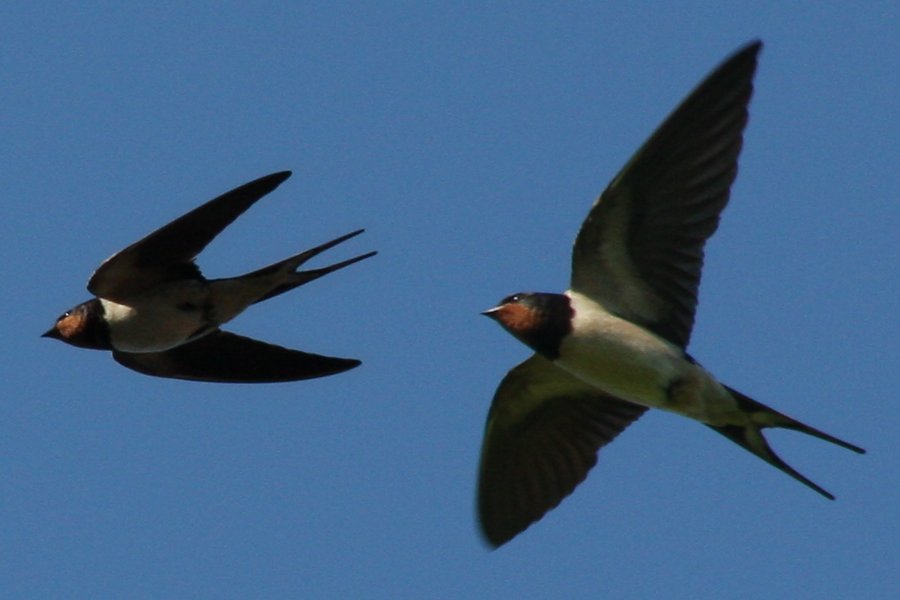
(750, 436)
(298, 278)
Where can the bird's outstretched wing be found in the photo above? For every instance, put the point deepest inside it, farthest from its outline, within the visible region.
(229, 358)
(168, 253)
(542, 436)
(640, 251)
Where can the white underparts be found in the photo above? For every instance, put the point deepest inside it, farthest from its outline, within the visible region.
(632, 363)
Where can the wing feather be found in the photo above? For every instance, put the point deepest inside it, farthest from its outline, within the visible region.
(542, 436)
(228, 358)
(168, 253)
(640, 251)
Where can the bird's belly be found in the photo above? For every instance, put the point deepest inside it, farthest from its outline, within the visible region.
(625, 361)
(157, 323)
(631, 363)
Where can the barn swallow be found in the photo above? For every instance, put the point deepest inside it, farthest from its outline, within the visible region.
(613, 345)
(159, 316)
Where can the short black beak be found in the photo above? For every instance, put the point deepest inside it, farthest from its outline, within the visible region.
(51, 333)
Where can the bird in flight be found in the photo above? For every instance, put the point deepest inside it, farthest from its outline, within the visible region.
(159, 316)
(613, 345)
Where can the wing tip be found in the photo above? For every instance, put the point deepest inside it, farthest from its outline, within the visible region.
(274, 179)
(494, 542)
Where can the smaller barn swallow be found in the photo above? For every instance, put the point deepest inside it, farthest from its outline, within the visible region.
(159, 316)
(614, 343)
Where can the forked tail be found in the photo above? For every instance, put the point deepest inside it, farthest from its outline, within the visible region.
(298, 278)
(750, 436)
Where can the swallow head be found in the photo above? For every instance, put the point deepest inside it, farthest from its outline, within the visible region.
(82, 326)
(538, 320)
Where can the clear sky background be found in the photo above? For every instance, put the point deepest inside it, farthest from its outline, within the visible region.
(470, 142)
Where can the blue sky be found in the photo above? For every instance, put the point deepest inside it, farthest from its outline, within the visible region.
(470, 142)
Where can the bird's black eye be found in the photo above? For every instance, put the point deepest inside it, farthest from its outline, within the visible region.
(513, 299)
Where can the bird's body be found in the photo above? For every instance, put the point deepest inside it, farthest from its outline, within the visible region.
(134, 324)
(631, 363)
(158, 315)
(614, 344)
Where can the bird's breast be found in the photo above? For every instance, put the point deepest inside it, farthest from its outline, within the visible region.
(159, 320)
(634, 364)
(619, 357)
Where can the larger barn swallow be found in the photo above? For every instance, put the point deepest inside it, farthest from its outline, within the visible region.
(614, 343)
(161, 317)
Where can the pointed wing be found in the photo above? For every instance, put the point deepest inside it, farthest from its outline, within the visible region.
(542, 436)
(168, 253)
(640, 251)
(229, 358)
